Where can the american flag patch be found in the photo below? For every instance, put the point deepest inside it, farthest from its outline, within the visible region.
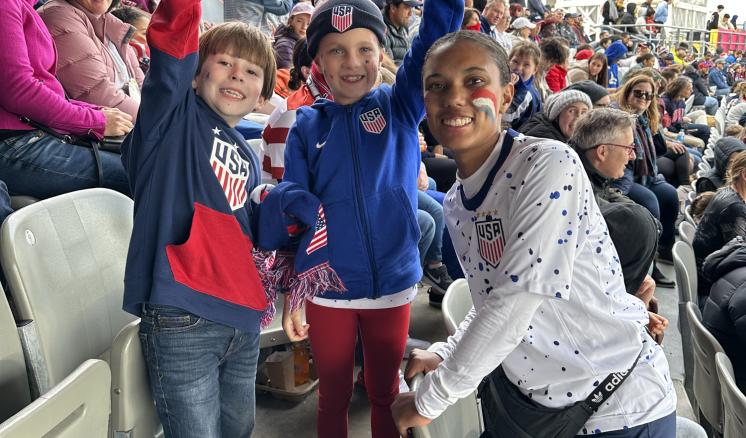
(373, 121)
(319, 234)
(231, 170)
(342, 17)
(491, 240)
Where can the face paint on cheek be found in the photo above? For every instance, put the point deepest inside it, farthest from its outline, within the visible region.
(486, 102)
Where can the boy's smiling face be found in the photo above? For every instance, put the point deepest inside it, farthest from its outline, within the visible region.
(464, 99)
(231, 86)
(350, 62)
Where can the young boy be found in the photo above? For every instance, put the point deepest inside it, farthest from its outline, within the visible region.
(190, 274)
(549, 299)
(524, 59)
(360, 156)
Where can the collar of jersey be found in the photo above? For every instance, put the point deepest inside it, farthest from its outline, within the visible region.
(474, 203)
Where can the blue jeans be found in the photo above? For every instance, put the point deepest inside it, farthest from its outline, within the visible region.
(661, 199)
(722, 92)
(661, 428)
(425, 202)
(711, 106)
(427, 233)
(201, 373)
(39, 165)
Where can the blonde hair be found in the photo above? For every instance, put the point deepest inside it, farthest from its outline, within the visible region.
(242, 41)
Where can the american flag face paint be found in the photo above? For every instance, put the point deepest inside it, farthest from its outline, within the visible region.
(486, 102)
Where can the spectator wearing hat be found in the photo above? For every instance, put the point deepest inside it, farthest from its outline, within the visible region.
(565, 30)
(288, 34)
(522, 28)
(614, 53)
(593, 68)
(598, 94)
(717, 79)
(561, 112)
(396, 15)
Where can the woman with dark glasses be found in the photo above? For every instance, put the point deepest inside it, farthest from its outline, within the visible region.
(642, 181)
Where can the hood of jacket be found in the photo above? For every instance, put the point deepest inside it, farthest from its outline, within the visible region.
(729, 257)
(724, 148)
(579, 65)
(615, 51)
(540, 126)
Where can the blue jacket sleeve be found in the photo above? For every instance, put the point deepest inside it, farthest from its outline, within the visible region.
(717, 79)
(439, 17)
(277, 7)
(296, 159)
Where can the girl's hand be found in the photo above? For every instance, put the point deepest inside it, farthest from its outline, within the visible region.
(292, 323)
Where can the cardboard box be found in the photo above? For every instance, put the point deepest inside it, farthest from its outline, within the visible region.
(280, 370)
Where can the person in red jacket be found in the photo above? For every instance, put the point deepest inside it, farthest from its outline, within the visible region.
(554, 54)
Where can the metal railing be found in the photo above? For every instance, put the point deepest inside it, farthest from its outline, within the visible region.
(671, 36)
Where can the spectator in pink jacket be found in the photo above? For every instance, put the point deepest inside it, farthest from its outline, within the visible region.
(32, 161)
(96, 63)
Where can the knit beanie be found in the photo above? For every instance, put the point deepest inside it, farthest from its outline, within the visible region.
(594, 91)
(584, 54)
(342, 15)
(558, 102)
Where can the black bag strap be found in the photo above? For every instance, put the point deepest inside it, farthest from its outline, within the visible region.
(611, 383)
(72, 140)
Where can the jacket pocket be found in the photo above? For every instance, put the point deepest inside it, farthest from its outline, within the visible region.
(394, 228)
(216, 260)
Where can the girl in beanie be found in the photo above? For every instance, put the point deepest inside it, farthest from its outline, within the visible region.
(350, 178)
(561, 111)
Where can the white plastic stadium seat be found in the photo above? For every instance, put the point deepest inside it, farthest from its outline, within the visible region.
(460, 420)
(686, 232)
(706, 384)
(734, 401)
(685, 269)
(274, 334)
(704, 166)
(64, 260)
(456, 304)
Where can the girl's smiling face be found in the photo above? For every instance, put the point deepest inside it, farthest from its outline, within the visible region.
(464, 97)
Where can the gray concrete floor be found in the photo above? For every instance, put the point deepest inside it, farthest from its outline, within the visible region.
(279, 418)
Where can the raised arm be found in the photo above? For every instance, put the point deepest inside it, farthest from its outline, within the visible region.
(439, 17)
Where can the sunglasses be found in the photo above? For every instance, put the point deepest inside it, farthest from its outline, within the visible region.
(642, 95)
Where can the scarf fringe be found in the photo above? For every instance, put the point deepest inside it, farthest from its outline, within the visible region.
(315, 281)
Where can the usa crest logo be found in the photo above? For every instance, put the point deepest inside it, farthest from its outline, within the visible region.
(373, 121)
(319, 235)
(342, 17)
(491, 240)
(231, 170)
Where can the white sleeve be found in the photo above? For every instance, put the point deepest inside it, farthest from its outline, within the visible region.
(493, 334)
(445, 349)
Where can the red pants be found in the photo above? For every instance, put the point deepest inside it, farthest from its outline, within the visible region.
(384, 337)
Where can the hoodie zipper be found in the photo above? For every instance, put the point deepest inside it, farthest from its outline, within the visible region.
(360, 204)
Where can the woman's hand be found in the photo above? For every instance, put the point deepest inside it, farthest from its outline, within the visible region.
(675, 146)
(292, 323)
(117, 122)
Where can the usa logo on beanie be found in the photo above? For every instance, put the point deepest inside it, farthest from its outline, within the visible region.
(342, 17)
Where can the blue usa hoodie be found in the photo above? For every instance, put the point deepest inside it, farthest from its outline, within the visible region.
(361, 161)
(614, 53)
(190, 174)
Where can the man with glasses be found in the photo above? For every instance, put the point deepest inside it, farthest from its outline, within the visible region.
(604, 141)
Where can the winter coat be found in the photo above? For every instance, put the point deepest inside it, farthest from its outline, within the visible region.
(724, 313)
(629, 19)
(698, 86)
(85, 66)
(723, 219)
(28, 72)
(714, 178)
(578, 71)
(556, 78)
(540, 126)
(397, 41)
(264, 14)
(285, 39)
